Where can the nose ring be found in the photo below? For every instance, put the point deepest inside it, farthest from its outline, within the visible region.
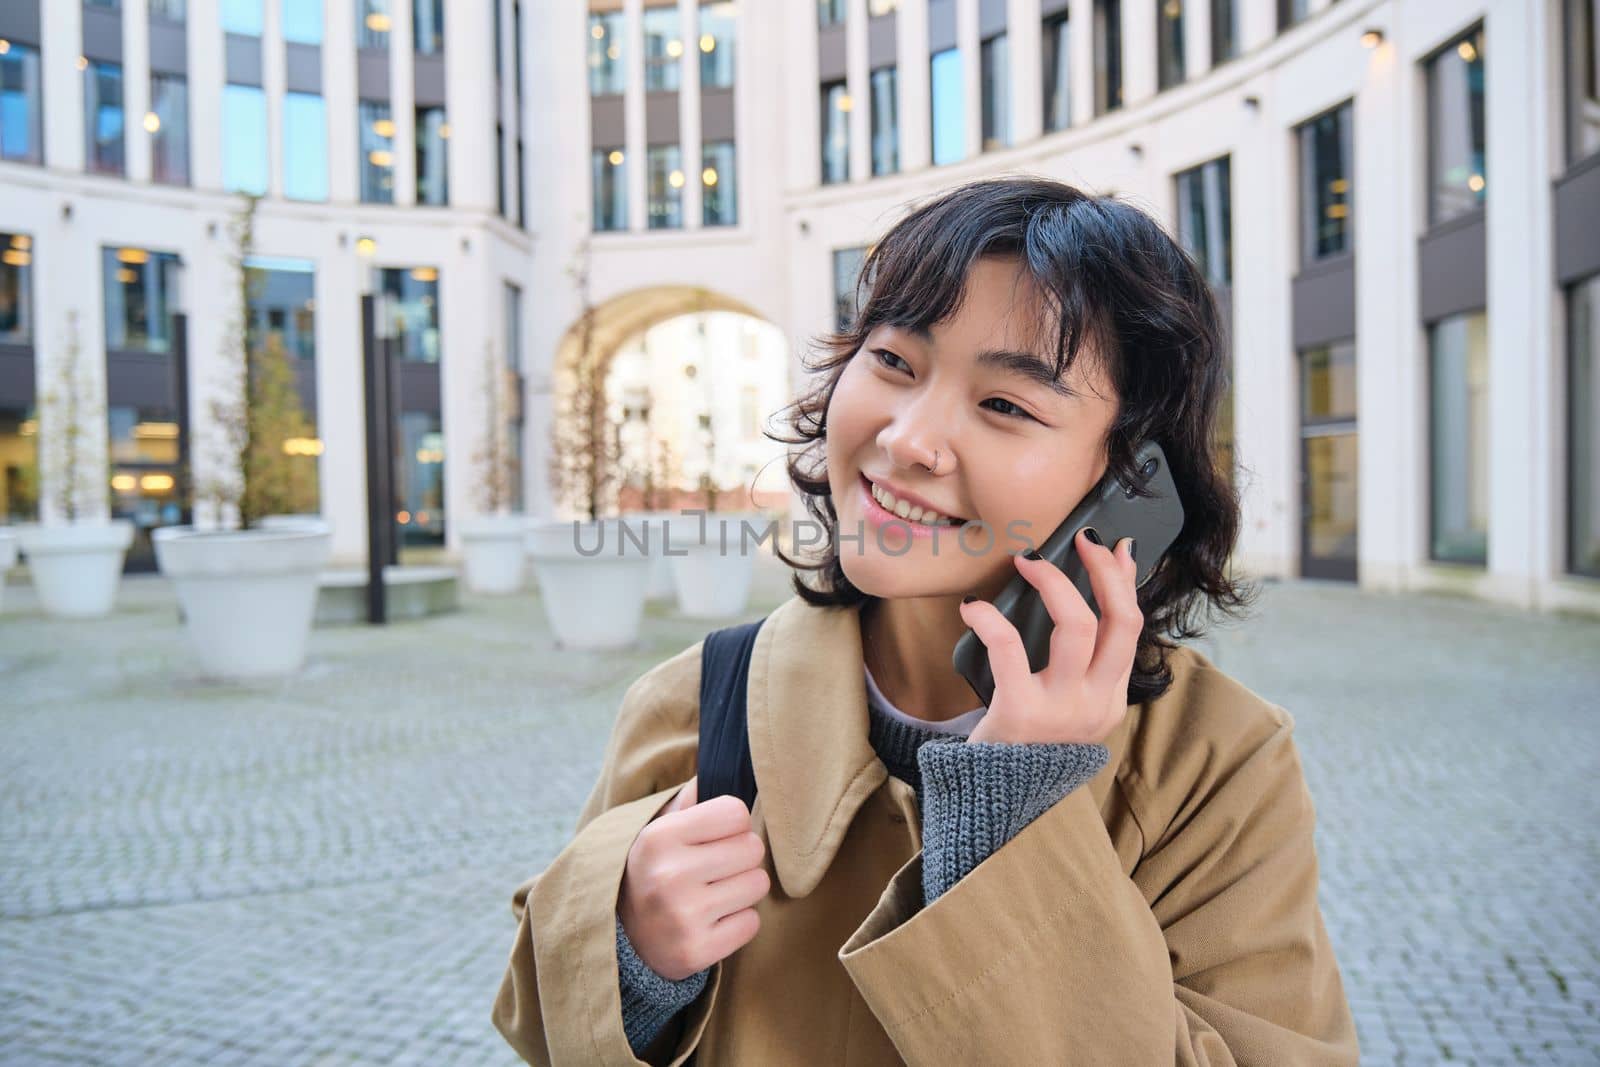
(935, 462)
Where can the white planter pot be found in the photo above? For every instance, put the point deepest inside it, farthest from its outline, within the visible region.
(493, 555)
(713, 573)
(248, 596)
(592, 601)
(652, 525)
(76, 567)
(8, 559)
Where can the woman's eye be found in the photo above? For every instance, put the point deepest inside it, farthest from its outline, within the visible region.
(1015, 412)
(884, 355)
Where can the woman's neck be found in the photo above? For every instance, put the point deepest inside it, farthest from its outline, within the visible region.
(907, 644)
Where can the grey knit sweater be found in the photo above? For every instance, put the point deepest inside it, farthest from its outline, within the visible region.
(974, 797)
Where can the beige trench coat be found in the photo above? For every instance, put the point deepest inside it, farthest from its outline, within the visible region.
(1164, 912)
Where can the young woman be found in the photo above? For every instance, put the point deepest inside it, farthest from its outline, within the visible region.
(1110, 863)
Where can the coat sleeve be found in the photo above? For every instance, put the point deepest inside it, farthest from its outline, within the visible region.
(560, 1001)
(1213, 950)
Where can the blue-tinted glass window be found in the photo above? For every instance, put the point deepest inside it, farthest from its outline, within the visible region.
(847, 263)
(427, 26)
(169, 144)
(1457, 170)
(305, 146)
(1291, 12)
(16, 288)
(835, 133)
(664, 180)
(1325, 163)
(21, 139)
(719, 185)
(283, 302)
(411, 304)
(718, 23)
(244, 139)
(171, 10)
(885, 86)
(663, 49)
(433, 170)
(1458, 432)
(830, 12)
(1205, 218)
(102, 109)
(421, 479)
(608, 74)
(377, 152)
(994, 66)
(302, 21)
(1057, 65)
(139, 285)
(610, 189)
(242, 16)
(949, 107)
(372, 23)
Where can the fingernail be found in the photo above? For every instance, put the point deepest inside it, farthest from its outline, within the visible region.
(1033, 553)
(968, 599)
(1133, 548)
(1092, 534)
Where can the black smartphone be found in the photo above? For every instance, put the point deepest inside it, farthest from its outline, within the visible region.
(1115, 511)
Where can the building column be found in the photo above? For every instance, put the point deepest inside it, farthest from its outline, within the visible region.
(403, 101)
(1024, 26)
(61, 43)
(914, 111)
(689, 138)
(1139, 79)
(136, 88)
(969, 48)
(858, 79)
(1080, 30)
(274, 83)
(340, 95)
(635, 155)
(1258, 23)
(206, 78)
(1196, 38)
(470, 104)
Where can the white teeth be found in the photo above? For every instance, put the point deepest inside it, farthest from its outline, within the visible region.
(915, 513)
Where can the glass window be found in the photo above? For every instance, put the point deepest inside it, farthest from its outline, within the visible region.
(664, 179)
(19, 465)
(108, 5)
(1107, 55)
(948, 104)
(718, 22)
(1583, 428)
(421, 488)
(283, 302)
(1458, 352)
(169, 142)
(21, 140)
(835, 133)
(522, 189)
(138, 286)
(608, 74)
(500, 168)
(1170, 68)
(994, 65)
(513, 309)
(242, 16)
(305, 147)
(1325, 166)
(143, 444)
(372, 23)
(1291, 12)
(1056, 62)
(663, 49)
(433, 171)
(427, 26)
(244, 139)
(1328, 383)
(847, 264)
(720, 190)
(1224, 31)
(302, 21)
(610, 189)
(830, 12)
(885, 87)
(516, 55)
(1205, 224)
(1330, 452)
(377, 152)
(1583, 79)
(171, 10)
(16, 289)
(411, 303)
(1457, 175)
(102, 109)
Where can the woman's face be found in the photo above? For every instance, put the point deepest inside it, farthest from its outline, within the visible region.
(1012, 449)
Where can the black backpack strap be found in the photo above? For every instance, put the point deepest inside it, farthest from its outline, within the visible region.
(724, 765)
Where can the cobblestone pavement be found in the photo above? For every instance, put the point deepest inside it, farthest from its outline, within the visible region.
(319, 872)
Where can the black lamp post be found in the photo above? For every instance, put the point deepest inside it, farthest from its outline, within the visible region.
(378, 392)
(176, 296)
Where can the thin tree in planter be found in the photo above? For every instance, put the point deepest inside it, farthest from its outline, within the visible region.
(585, 456)
(67, 411)
(496, 459)
(261, 410)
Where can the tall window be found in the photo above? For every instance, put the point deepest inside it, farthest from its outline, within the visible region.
(835, 133)
(664, 182)
(718, 21)
(847, 264)
(1583, 79)
(994, 65)
(19, 423)
(1205, 223)
(663, 48)
(21, 140)
(411, 300)
(830, 12)
(283, 311)
(102, 109)
(610, 189)
(946, 100)
(427, 26)
(719, 185)
(1107, 55)
(305, 146)
(1325, 168)
(171, 10)
(244, 139)
(169, 142)
(608, 74)
(242, 16)
(1583, 428)
(139, 285)
(1224, 31)
(372, 23)
(885, 88)
(377, 152)
(1170, 69)
(302, 21)
(1291, 12)
(16, 289)
(433, 133)
(1457, 176)
(1056, 62)
(1458, 385)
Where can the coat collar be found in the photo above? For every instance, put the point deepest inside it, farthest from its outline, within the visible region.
(808, 721)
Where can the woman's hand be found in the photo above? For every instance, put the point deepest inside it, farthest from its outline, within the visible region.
(1082, 694)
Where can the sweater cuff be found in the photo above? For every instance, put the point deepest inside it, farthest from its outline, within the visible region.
(979, 795)
(649, 1001)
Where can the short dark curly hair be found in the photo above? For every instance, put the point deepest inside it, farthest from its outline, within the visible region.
(1111, 278)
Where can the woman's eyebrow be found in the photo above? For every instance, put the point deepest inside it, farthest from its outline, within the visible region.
(1019, 364)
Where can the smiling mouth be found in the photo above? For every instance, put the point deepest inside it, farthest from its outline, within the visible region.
(907, 511)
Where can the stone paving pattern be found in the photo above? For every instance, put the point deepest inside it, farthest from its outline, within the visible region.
(319, 871)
